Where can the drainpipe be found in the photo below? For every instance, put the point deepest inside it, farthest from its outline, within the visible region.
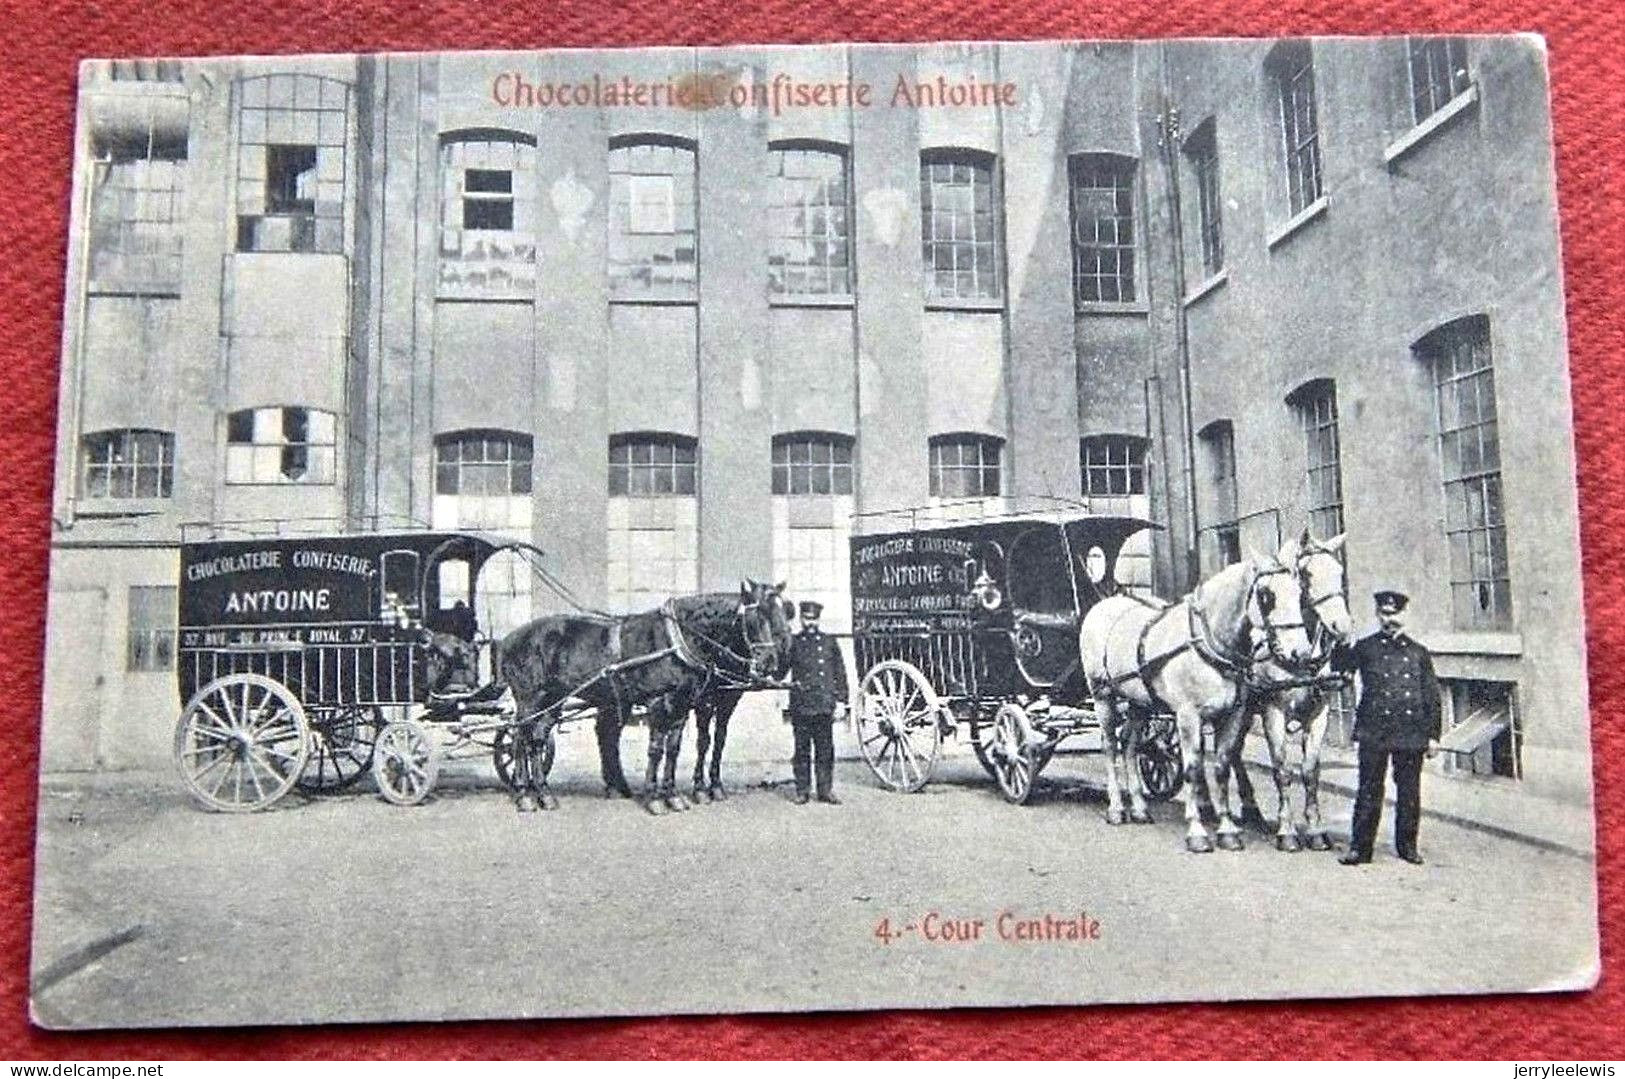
(1168, 134)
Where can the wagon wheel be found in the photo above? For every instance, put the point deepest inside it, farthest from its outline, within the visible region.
(1161, 761)
(898, 731)
(342, 740)
(241, 742)
(502, 754)
(1017, 752)
(406, 762)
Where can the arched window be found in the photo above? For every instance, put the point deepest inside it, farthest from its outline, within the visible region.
(292, 133)
(487, 214)
(810, 251)
(651, 464)
(653, 217)
(1290, 68)
(482, 464)
(812, 463)
(1220, 544)
(128, 463)
(1103, 233)
(1202, 158)
(959, 225)
(281, 444)
(966, 466)
(1458, 357)
(1315, 402)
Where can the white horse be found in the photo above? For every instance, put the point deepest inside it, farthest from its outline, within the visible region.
(1293, 703)
(1193, 658)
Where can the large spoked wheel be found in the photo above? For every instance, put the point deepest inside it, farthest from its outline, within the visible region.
(342, 741)
(982, 741)
(898, 727)
(1161, 761)
(241, 743)
(543, 747)
(406, 763)
(1017, 753)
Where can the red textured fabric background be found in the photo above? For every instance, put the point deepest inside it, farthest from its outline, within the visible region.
(41, 45)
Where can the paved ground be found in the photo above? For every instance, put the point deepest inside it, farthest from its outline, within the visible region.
(151, 912)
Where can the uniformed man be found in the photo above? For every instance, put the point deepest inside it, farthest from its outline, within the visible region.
(817, 699)
(1396, 720)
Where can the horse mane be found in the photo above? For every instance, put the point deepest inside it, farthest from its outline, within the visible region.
(714, 614)
(1226, 612)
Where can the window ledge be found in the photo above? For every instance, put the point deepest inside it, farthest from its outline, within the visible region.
(1476, 643)
(121, 507)
(464, 297)
(1298, 221)
(1092, 308)
(786, 299)
(1207, 287)
(1424, 130)
(983, 306)
(654, 301)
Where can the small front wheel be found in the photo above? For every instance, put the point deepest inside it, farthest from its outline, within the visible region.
(405, 763)
(1160, 759)
(1017, 753)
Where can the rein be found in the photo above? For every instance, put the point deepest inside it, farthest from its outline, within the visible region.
(744, 676)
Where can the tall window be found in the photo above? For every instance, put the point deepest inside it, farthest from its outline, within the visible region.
(652, 465)
(291, 163)
(809, 252)
(811, 463)
(1316, 406)
(1438, 73)
(150, 629)
(1291, 69)
(966, 466)
(1103, 237)
(1458, 355)
(482, 479)
(959, 226)
(653, 519)
(487, 214)
(135, 214)
(1116, 480)
(128, 464)
(1222, 534)
(653, 212)
(1202, 152)
(812, 507)
(281, 444)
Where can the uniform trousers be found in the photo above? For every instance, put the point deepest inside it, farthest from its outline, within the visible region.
(815, 740)
(1374, 764)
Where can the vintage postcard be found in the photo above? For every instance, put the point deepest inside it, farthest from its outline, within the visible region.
(752, 529)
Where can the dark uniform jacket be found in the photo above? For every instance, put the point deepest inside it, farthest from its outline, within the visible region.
(817, 675)
(1399, 693)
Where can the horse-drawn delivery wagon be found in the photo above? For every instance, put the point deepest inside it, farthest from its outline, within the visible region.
(974, 626)
(309, 660)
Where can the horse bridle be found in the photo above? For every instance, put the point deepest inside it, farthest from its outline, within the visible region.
(1272, 630)
(764, 649)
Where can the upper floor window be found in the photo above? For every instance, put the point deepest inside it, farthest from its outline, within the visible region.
(482, 463)
(1316, 405)
(281, 444)
(128, 463)
(653, 214)
(487, 214)
(1291, 70)
(809, 250)
(1113, 465)
(1438, 73)
(291, 139)
(1202, 153)
(138, 191)
(652, 465)
(1458, 355)
(959, 226)
(966, 466)
(812, 463)
(1103, 236)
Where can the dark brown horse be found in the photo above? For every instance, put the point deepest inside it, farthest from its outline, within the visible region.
(665, 659)
(713, 708)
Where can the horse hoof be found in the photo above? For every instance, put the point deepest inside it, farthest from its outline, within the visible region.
(676, 803)
(1198, 844)
(698, 795)
(1231, 841)
(654, 807)
(1287, 844)
(1139, 816)
(547, 801)
(1114, 816)
(718, 793)
(525, 804)
(1319, 841)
